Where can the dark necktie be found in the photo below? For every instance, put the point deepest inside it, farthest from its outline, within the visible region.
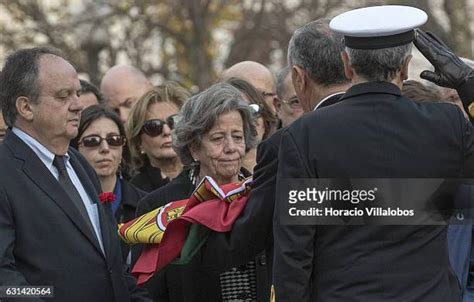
(70, 189)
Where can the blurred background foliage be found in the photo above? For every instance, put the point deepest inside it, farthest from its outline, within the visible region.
(191, 41)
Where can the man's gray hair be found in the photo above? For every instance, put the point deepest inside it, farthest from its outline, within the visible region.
(201, 112)
(317, 49)
(378, 64)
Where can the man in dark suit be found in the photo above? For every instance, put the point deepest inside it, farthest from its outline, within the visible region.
(318, 70)
(373, 132)
(53, 230)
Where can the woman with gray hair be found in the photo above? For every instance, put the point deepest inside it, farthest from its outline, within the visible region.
(212, 133)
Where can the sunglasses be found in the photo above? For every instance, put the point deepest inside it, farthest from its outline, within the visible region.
(256, 110)
(93, 141)
(154, 127)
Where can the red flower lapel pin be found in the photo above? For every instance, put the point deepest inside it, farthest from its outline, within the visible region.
(106, 197)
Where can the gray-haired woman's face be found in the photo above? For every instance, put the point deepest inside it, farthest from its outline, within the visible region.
(222, 148)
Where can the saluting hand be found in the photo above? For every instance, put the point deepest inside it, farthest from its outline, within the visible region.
(450, 70)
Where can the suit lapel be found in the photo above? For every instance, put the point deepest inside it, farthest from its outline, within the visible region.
(94, 196)
(39, 174)
(84, 178)
(106, 222)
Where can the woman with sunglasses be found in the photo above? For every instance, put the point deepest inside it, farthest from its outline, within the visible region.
(213, 131)
(149, 134)
(265, 121)
(101, 140)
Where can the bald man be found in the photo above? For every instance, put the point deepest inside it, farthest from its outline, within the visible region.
(122, 86)
(257, 75)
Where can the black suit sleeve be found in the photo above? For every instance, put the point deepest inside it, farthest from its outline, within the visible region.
(293, 246)
(9, 275)
(252, 231)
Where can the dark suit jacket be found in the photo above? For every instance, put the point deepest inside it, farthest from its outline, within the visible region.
(45, 241)
(373, 132)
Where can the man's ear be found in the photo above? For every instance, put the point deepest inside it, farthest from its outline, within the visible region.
(24, 108)
(404, 71)
(298, 77)
(277, 105)
(348, 70)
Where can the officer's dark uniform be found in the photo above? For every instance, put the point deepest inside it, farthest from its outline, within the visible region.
(373, 132)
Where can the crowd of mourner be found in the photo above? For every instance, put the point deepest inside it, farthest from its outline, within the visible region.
(79, 161)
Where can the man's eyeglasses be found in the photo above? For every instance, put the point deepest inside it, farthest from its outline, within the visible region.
(265, 94)
(293, 102)
(154, 127)
(93, 141)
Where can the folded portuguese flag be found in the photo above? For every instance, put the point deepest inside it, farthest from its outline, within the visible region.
(180, 228)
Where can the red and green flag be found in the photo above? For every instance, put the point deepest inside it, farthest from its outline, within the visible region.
(176, 231)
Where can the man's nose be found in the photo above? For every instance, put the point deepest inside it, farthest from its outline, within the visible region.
(76, 103)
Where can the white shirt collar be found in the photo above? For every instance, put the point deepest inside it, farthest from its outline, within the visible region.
(44, 154)
(326, 98)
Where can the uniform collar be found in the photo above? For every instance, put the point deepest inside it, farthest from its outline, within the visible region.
(372, 88)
